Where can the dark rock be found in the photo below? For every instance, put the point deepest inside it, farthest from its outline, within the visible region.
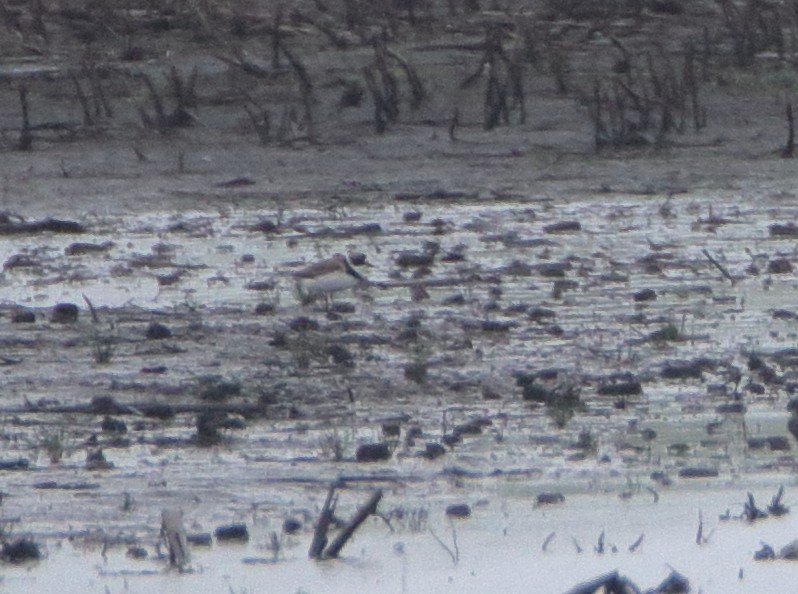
(560, 286)
(208, 425)
(779, 266)
(766, 553)
(373, 452)
(472, 427)
(789, 551)
(23, 316)
(391, 429)
(163, 412)
(540, 314)
(137, 553)
(291, 526)
(199, 539)
(454, 300)
(661, 478)
(414, 259)
(247, 258)
(784, 314)
(496, 326)
(672, 7)
(645, 295)
(81, 249)
(550, 498)
(264, 285)
(157, 331)
(678, 449)
(412, 216)
(416, 372)
(106, 405)
(340, 355)
(155, 369)
(778, 443)
(265, 226)
(18, 464)
(341, 308)
(20, 550)
(779, 230)
(95, 460)
(264, 309)
(648, 434)
(8, 227)
(64, 313)
(489, 393)
(730, 408)
(675, 583)
(218, 390)
(563, 227)
(433, 450)
(50, 485)
(553, 269)
(453, 257)
(231, 532)
(452, 439)
(684, 369)
(458, 510)
(621, 388)
(698, 472)
(303, 324)
(111, 425)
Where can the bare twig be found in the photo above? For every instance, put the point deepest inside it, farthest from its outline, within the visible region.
(323, 525)
(719, 266)
(369, 508)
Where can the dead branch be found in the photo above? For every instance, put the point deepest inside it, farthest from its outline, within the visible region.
(369, 508)
(84, 102)
(719, 266)
(25, 136)
(323, 525)
(789, 149)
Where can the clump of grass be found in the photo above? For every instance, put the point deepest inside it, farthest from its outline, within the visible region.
(104, 349)
(53, 444)
(334, 444)
(669, 333)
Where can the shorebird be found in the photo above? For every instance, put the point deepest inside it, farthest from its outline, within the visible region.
(327, 277)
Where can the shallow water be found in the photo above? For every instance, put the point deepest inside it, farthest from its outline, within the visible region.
(280, 465)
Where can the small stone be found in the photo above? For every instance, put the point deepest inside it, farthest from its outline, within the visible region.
(458, 510)
(111, 425)
(372, 452)
(157, 331)
(23, 316)
(779, 266)
(550, 498)
(433, 450)
(64, 313)
(136, 553)
(20, 550)
(645, 295)
(416, 372)
(291, 526)
(232, 532)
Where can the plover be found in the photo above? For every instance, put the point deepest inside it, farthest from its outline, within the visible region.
(327, 277)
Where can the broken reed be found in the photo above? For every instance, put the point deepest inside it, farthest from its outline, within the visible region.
(504, 87)
(643, 104)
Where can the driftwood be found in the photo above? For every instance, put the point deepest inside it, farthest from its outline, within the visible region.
(318, 547)
(11, 227)
(325, 519)
(719, 266)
